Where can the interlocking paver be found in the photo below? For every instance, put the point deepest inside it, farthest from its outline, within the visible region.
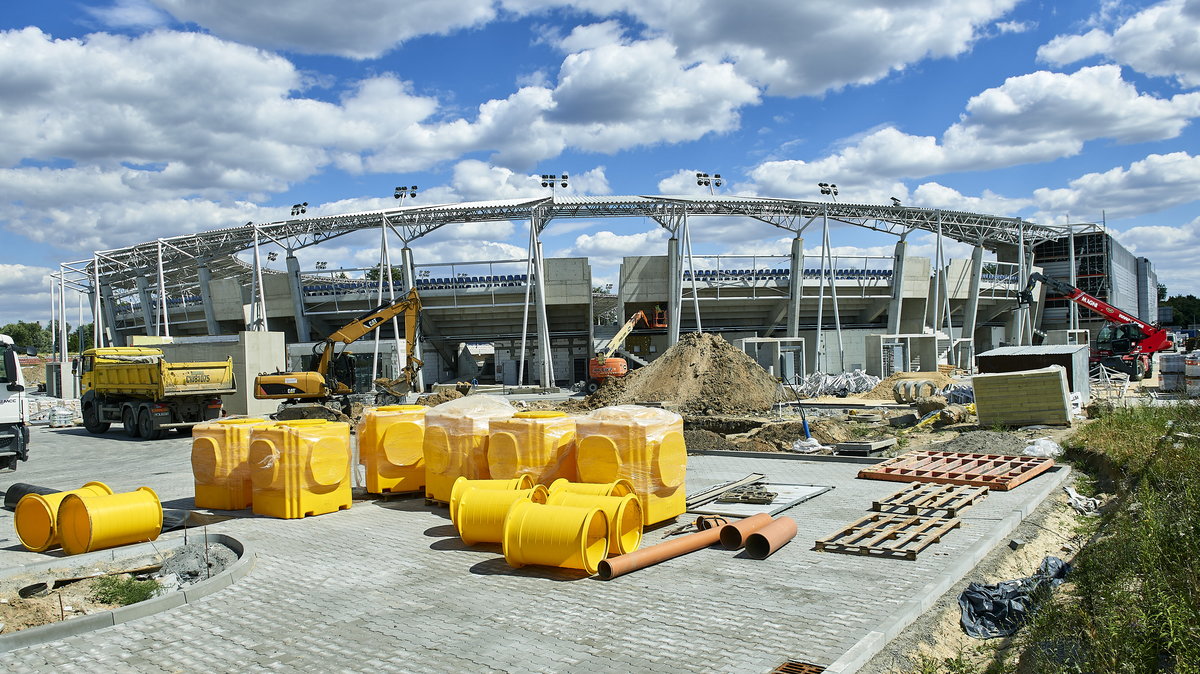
(386, 586)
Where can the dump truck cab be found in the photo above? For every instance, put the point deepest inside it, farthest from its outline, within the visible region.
(14, 427)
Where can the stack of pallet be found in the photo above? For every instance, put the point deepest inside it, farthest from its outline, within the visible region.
(941, 485)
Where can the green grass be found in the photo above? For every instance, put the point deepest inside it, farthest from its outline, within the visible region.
(1132, 603)
(123, 591)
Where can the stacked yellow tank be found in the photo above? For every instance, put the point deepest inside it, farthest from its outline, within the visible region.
(540, 444)
(220, 465)
(391, 448)
(300, 468)
(456, 441)
(643, 445)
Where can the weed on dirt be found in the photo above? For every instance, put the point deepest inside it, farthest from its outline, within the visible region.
(123, 591)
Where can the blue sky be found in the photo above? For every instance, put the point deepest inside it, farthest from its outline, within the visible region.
(122, 121)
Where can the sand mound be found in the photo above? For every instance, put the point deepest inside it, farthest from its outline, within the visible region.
(883, 391)
(701, 374)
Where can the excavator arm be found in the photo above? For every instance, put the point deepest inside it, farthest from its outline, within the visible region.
(619, 338)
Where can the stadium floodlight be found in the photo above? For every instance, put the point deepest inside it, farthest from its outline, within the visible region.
(829, 189)
(550, 180)
(403, 191)
(711, 182)
(299, 209)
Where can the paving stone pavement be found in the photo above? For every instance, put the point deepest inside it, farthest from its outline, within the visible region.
(387, 585)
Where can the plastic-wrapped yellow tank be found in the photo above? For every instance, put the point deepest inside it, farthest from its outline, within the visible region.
(36, 515)
(391, 447)
(641, 444)
(220, 466)
(624, 515)
(555, 535)
(300, 468)
(538, 443)
(462, 485)
(456, 437)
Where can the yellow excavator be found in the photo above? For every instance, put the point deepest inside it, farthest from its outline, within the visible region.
(323, 391)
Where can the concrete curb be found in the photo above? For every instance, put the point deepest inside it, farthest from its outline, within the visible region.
(871, 644)
(95, 621)
(788, 457)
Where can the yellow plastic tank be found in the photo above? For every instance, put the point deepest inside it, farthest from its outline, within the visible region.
(456, 438)
(619, 487)
(555, 535)
(539, 443)
(36, 515)
(89, 523)
(300, 468)
(462, 484)
(391, 447)
(220, 465)
(641, 444)
(481, 512)
(624, 514)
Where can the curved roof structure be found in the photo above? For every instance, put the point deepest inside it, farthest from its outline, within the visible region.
(180, 254)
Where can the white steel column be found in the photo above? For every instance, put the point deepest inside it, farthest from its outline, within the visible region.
(525, 311)
(296, 285)
(687, 239)
(1071, 307)
(162, 296)
(204, 278)
(62, 323)
(1022, 275)
(410, 276)
(820, 349)
(837, 317)
(258, 312)
(148, 321)
(97, 327)
(673, 290)
(547, 374)
(936, 322)
(971, 311)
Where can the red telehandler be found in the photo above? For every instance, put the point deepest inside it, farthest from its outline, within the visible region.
(1127, 343)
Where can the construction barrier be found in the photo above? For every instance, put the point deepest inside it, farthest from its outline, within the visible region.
(481, 512)
(89, 523)
(561, 536)
(391, 443)
(36, 516)
(220, 463)
(462, 484)
(624, 514)
(300, 468)
(538, 443)
(643, 445)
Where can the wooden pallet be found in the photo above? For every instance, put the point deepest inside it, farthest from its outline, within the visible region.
(998, 472)
(889, 536)
(931, 499)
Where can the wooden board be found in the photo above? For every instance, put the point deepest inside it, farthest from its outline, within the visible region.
(889, 536)
(931, 499)
(999, 472)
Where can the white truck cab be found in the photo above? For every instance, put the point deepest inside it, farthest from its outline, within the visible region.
(14, 430)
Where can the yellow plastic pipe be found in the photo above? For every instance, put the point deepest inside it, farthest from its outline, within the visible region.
(562, 536)
(462, 484)
(624, 514)
(87, 523)
(619, 487)
(481, 512)
(36, 515)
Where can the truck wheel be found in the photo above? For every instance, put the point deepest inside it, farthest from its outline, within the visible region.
(592, 386)
(129, 421)
(146, 427)
(91, 420)
(1139, 371)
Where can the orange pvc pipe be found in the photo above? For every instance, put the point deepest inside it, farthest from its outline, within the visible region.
(623, 564)
(761, 543)
(733, 536)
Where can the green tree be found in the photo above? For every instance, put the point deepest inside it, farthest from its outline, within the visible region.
(397, 273)
(73, 338)
(1187, 309)
(30, 334)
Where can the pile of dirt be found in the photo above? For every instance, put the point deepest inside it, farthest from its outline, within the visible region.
(701, 374)
(782, 435)
(438, 398)
(983, 442)
(883, 391)
(701, 440)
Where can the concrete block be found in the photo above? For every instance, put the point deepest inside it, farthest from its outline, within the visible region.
(1023, 397)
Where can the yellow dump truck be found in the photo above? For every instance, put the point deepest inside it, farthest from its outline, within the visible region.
(138, 388)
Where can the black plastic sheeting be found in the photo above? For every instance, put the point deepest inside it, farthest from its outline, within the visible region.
(18, 489)
(999, 610)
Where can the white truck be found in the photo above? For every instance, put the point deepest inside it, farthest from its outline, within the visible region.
(14, 429)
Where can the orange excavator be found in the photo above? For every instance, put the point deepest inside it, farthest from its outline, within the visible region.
(604, 366)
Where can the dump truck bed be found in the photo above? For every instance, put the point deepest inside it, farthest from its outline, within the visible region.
(160, 379)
